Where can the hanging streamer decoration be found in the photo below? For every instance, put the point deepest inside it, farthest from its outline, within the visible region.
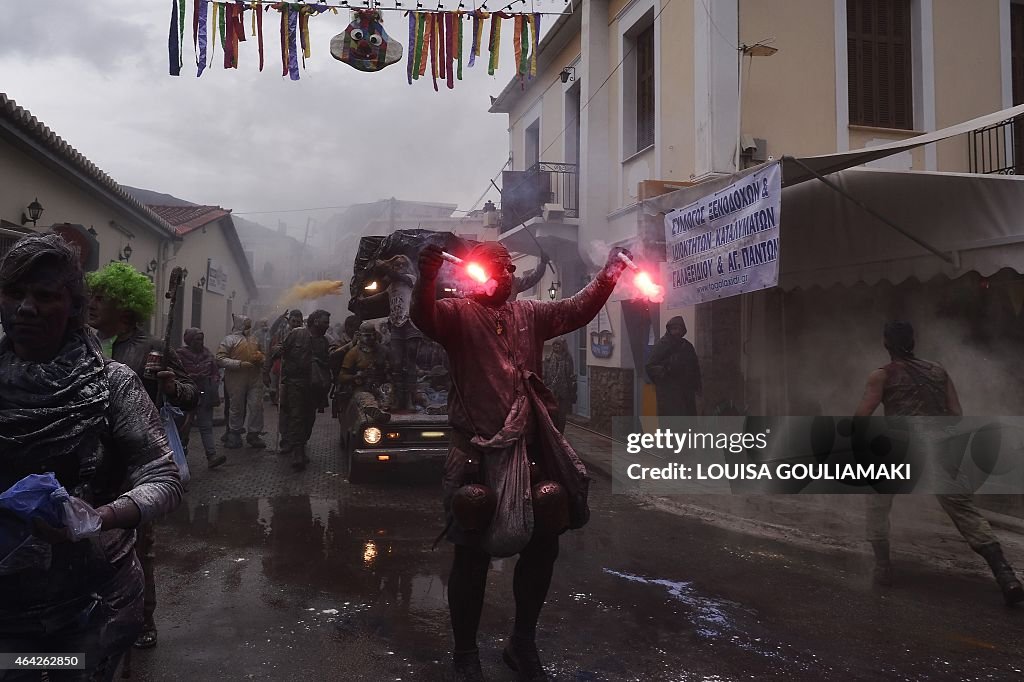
(437, 36)
(494, 45)
(200, 31)
(257, 29)
(535, 30)
(173, 44)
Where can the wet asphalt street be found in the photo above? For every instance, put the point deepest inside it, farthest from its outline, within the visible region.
(269, 575)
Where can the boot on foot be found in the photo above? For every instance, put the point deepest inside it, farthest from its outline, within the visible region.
(466, 667)
(521, 655)
(1013, 591)
(215, 459)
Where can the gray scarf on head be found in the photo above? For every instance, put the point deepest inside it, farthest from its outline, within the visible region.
(51, 409)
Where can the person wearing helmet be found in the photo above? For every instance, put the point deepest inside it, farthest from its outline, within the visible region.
(502, 416)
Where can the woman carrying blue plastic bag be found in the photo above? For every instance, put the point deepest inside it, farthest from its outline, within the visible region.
(65, 409)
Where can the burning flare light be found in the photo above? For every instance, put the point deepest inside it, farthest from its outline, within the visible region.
(310, 290)
(642, 281)
(475, 271)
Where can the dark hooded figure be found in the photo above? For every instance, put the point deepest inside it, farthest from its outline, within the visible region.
(501, 418)
(66, 409)
(911, 387)
(674, 369)
(201, 365)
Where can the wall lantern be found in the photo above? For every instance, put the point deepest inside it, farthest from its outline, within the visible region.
(151, 267)
(35, 211)
(568, 74)
(553, 290)
(126, 253)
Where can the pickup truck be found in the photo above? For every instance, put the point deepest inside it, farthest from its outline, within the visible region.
(404, 418)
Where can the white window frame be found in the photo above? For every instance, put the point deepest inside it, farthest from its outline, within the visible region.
(635, 18)
(922, 38)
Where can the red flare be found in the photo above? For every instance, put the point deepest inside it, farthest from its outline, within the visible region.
(654, 292)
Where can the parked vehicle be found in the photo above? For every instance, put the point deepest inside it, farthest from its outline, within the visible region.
(398, 414)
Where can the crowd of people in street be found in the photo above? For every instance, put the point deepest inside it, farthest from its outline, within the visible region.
(85, 393)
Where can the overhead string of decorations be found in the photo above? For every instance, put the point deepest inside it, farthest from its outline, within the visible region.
(437, 40)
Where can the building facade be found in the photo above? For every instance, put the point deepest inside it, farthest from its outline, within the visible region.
(639, 97)
(217, 280)
(42, 173)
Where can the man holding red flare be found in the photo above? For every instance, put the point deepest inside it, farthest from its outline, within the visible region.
(512, 482)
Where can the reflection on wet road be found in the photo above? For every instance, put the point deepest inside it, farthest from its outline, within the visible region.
(300, 587)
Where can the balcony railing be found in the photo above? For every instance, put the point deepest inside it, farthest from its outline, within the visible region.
(524, 193)
(998, 148)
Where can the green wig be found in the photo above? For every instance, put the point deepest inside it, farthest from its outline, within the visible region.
(127, 287)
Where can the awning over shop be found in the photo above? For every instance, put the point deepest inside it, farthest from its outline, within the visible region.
(826, 239)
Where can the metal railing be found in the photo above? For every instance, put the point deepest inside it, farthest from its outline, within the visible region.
(998, 148)
(524, 193)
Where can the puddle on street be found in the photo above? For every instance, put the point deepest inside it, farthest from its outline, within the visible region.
(352, 571)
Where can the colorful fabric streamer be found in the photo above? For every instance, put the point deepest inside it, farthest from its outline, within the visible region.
(432, 24)
(222, 25)
(173, 47)
(257, 28)
(494, 45)
(425, 40)
(458, 41)
(517, 44)
(535, 30)
(410, 60)
(201, 31)
(293, 53)
(442, 45)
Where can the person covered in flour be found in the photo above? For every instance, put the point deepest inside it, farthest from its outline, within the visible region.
(512, 483)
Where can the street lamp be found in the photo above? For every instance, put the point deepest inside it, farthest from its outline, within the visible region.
(553, 290)
(35, 211)
(758, 49)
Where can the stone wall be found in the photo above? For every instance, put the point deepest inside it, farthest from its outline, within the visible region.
(611, 395)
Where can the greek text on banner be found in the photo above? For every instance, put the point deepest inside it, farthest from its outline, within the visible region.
(725, 243)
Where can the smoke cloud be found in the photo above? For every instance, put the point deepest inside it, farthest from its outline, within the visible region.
(311, 290)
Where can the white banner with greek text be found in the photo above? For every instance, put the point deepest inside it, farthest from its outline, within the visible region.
(725, 243)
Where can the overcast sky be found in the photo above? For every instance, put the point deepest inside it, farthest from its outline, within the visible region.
(96, 73)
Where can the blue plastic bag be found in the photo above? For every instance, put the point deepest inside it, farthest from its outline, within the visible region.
(167, 414)
(30, 497)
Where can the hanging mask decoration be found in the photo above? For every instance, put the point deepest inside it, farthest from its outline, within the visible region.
(364, 45)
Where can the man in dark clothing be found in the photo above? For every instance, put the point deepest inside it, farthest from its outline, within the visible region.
(674, 369)
(500, 413)
(305, 382)
(909, 387)
(122, 299)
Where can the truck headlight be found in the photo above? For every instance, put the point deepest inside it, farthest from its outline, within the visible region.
(371, 435)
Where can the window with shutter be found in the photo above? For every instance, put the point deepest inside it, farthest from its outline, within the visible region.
(880, 63)
(645, 88)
